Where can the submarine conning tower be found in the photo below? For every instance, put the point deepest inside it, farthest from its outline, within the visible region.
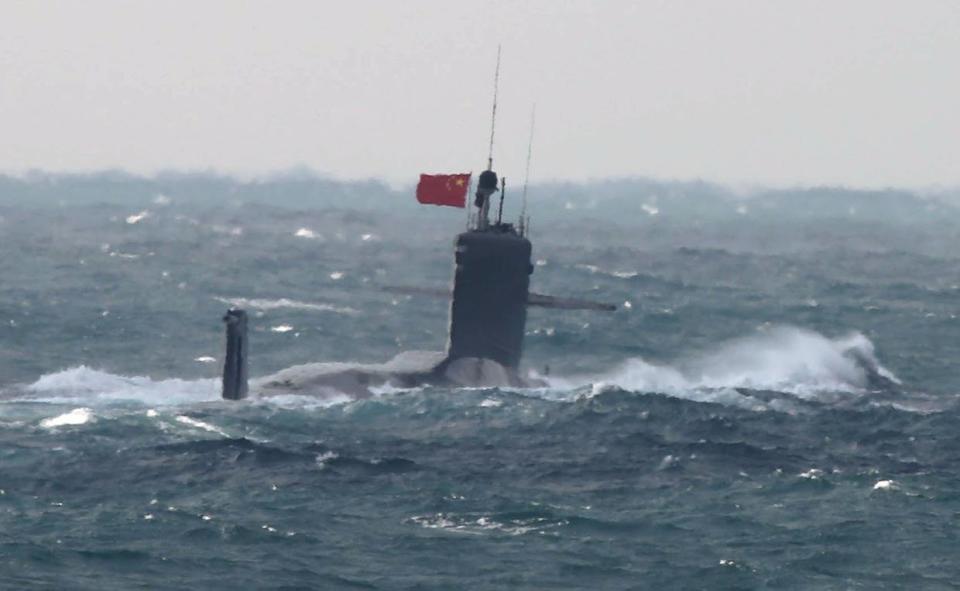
(491, 285)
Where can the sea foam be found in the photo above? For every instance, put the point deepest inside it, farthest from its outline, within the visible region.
(84, 385)
(284, 303)
(785, 359)
(77, 416)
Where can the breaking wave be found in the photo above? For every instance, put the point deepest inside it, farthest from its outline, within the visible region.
(82, 384)
(77, 416)
(783, 359)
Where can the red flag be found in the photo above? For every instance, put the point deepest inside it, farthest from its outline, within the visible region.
(443, 189)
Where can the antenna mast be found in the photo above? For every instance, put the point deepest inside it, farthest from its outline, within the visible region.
(526, 179)
(493, 117)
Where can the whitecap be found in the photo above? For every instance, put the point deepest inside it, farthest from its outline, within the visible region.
(323, 458)
(667, 462)
(323, 400)
(484, 524)
(618, 274)
(82, 384)
(283, 303)
(783, 359)
(137, 217)
(77, 416)
(799, 363)
(198, 424)
(590, 268)
(306, 233)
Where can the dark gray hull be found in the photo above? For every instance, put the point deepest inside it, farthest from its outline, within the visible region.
(411, 369)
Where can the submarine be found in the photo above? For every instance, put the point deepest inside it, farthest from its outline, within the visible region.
(488, 308)
(487, 322)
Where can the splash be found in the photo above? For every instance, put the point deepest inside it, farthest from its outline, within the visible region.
(789, 360)
(784, 359)
(82, 384)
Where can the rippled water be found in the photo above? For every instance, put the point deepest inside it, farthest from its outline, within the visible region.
(773, 405)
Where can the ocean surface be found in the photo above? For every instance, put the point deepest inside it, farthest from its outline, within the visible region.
(774, 405)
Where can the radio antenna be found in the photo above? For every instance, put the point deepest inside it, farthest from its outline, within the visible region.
(493, 117)
(526, 179)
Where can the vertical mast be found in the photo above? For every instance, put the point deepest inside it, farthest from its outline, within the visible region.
(526, 178)
(487, 184)
(503, 193)
(493, 116)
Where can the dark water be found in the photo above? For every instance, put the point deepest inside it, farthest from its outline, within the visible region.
(776, 408)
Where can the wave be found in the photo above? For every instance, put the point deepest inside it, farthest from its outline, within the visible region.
(789, 360)
(86, 386)
(77, 416)
(82, 384)
(783, 359)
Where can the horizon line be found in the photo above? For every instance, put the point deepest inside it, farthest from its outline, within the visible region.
(311, 173)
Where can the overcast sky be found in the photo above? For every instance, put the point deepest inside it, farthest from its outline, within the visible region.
(860, 93)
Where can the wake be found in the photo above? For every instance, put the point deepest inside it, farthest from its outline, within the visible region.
(784, 359)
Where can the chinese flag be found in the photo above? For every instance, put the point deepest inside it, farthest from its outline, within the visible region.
(443, 189)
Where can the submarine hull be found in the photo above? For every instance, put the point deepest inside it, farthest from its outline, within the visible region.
(410, 369)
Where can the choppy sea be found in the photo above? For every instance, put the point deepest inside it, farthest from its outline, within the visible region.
(773, 405)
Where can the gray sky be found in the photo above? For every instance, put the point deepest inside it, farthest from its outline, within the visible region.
(862, 93)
